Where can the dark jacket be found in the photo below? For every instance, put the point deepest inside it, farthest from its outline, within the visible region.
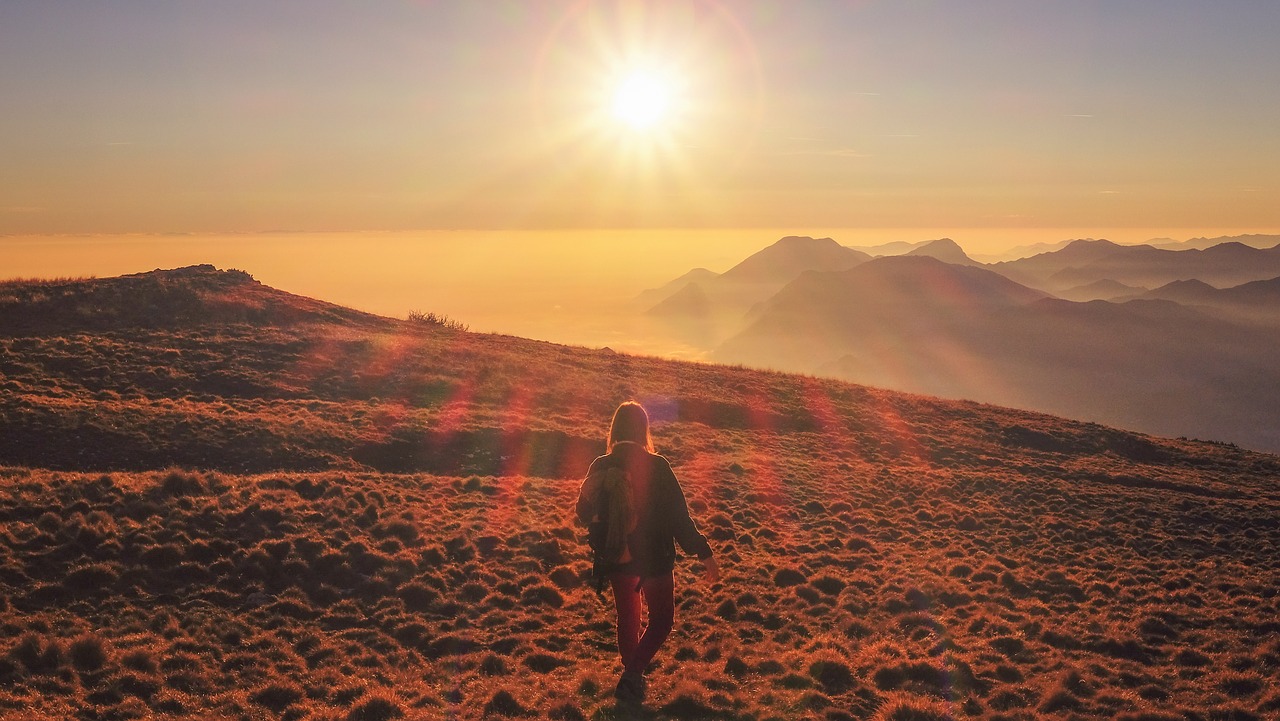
(662, 516)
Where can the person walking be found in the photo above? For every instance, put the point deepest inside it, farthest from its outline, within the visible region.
(635, 512)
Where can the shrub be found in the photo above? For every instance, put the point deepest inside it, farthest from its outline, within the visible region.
(504, 704)
(788, 577)
(1192, 657)
(728, 610)
(829, 585)
(493, 665)
(177, 483)
(542, 595)
(685, 706)
(277, 696)
(905, 707)
(417, 596)
(1061, 700)
(378, 707)
(544, 662)
(832, 676)
(436, 319)
(567, 712)
(139, 660)
(38, 656)
(565, 577)
(91, 577)
(917, 675)
(88, 654)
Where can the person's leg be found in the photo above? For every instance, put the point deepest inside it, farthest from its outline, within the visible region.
(627, 602)
(659, 597)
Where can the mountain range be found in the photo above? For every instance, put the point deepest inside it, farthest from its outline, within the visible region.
(1084, 262)
(1255, 240)
(1164, 353)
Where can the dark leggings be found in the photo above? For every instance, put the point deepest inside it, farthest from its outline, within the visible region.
(659, 596)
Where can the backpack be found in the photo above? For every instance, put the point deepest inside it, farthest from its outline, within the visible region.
(615, 520)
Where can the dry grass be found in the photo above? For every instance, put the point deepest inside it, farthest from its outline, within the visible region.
(347, 519)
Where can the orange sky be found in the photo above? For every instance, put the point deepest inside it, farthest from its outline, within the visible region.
(182, 116)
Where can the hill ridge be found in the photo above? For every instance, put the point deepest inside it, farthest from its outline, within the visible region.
(179, 297)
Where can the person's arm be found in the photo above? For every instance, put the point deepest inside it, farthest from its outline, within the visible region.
(682, 526)
(588, 494)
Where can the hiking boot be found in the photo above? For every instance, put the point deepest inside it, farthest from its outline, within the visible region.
(631, 688)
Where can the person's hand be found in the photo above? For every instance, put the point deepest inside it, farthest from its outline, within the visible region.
(710, 570)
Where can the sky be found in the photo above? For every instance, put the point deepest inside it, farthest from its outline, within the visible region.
(186, 116)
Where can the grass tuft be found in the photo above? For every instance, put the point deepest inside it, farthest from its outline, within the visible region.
(376, 707)
(907, 707)
(503, 703)
(88, 653)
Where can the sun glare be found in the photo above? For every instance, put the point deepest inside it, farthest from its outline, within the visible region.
(642, 101)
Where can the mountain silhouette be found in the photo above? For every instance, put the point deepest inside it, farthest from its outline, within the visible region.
(781, 262)
(1186, 292)
(653, 296)
(1255, 240)
(1222, 265)
(897, 247)
(1085, 262)
(689, 314)
(1257, 301)
(945, 250)
(1022, 251)
(919, 325)
(1037, 269)
(1105, 289)
(816, 316)
(720, 304)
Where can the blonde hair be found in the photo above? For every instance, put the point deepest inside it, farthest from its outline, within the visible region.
(630, 423)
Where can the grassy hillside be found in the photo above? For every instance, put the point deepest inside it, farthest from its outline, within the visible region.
(303, 512)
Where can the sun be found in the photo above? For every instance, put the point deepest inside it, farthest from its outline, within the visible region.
(642, 101)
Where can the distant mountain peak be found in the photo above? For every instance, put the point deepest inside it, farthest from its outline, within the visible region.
(804, 240)
(1091, 243)
(792, 255)
(1187, 284)
(1231, 247)
(691, 300)
(653, 296)
(945, 250)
